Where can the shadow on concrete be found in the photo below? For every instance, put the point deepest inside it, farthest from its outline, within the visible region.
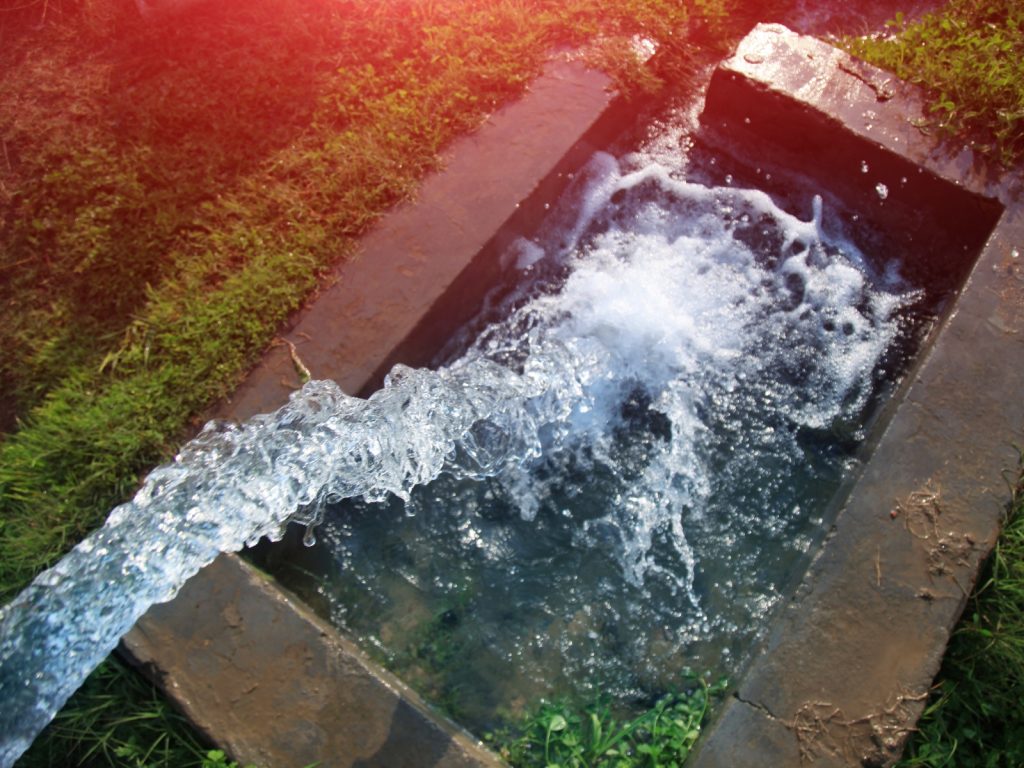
(412, 742)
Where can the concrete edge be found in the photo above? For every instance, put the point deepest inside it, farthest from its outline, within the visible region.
(424, 268)
(287, 664)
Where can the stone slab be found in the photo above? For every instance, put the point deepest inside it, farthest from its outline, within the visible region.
(856, 98)
(807, 108)
(253, 668)
(847, 663)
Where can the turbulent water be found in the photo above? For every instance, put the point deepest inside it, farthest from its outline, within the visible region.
(666, 315)
(705, 360)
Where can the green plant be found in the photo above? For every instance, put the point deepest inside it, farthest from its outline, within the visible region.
(969, 55)
(559, 737)
(216, 758)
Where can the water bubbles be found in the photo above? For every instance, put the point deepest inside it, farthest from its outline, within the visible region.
(692, 329)
(882, 191)
(864, 167)
(309, 536)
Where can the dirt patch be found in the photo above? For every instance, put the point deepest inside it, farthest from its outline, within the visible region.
(822, 729)
(946, 549)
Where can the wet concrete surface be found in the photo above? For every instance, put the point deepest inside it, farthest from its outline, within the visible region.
(275, 685)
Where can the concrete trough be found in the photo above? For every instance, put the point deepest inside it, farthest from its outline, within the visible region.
(846, 666)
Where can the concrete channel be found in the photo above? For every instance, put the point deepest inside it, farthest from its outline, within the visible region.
(845, 668)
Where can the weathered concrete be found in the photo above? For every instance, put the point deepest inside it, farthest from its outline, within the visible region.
(288, 690)
(846, 667)
(803, 107)
(254, 669)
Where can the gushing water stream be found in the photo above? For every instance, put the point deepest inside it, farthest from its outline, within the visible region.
(665, 302)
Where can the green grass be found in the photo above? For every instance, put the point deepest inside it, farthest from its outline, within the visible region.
(969, 56)
(117, 718)
(975, 717)
(155, 240)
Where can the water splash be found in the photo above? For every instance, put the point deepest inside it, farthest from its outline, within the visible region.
(562, 368)
(718, 348)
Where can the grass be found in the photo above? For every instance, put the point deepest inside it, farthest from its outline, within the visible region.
(975, 717)
(969, 56)
(163, 222)
(118, 718)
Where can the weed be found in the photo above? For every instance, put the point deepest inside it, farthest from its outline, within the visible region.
(215, 758)
(662, 736)
(970, 58)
